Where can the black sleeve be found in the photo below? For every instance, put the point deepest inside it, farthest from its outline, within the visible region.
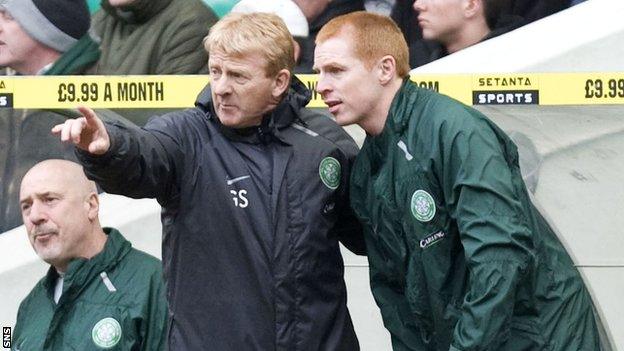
(141, 162)
(347, 229)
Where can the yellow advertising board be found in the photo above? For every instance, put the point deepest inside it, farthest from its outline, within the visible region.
(181, 91)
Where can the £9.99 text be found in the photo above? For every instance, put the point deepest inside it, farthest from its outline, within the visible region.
(597, 88)
(85, 92)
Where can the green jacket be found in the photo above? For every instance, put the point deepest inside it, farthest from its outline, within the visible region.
(78, 60)
(115, 300)
(459, 257)
(153, 37)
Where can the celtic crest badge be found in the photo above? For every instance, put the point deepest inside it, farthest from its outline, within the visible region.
(106, 333)
(329, 171)
(422, 206)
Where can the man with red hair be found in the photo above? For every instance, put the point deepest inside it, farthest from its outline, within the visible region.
(460, 259)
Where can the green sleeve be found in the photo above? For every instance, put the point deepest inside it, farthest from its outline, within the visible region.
(184, 51)
(483, 197)
(17, 329)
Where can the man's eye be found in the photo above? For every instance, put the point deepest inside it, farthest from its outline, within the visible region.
(6, 16)
(239, 78)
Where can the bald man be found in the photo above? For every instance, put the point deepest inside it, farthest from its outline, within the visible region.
(99, 292)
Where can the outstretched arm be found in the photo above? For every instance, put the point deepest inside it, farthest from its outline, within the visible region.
(123, 158)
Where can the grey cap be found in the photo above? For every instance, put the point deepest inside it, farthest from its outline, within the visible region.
(58, 24)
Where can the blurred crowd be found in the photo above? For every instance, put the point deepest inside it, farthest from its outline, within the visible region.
(162, 36)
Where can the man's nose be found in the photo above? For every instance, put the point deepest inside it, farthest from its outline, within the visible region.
(37, 214)
(418, 5)
(323, 86)
(221, 86)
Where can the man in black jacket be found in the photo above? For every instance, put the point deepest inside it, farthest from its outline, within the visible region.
(254, 194)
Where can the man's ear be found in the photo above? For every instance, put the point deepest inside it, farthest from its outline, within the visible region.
(93, 203)
(387, 69)
(281, 83)
(472, 7)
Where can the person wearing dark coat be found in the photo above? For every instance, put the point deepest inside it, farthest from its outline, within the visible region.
(152, 36)
(420, 50)
(254, 189)
(504, 16)
(458, 25)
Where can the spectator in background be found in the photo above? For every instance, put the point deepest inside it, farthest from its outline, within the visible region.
(458, 24)
(99, 292)
(287, 10)
(37, 37)
(505, 15)
(420, 50)
(152, 36)
(50, 37)
(319, 12)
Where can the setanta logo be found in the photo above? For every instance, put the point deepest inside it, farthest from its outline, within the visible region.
(514, 97)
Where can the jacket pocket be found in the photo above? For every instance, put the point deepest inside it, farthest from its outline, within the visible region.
(525, 336)
(92, 326)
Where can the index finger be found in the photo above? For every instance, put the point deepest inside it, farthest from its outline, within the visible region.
(57, 129)
(89, 114)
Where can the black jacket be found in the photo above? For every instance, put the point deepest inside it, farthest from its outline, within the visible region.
(532, 10)
(250, 230)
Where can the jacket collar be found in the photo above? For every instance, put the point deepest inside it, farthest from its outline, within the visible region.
(286, 112)
(140, 11)
(399, 116)
(80, 271)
